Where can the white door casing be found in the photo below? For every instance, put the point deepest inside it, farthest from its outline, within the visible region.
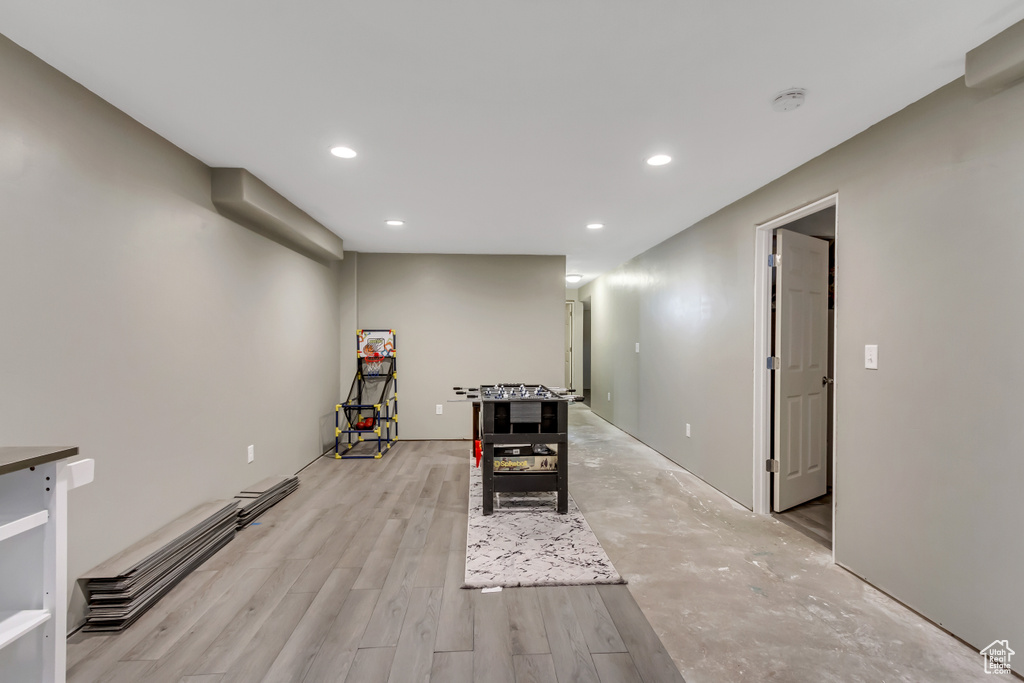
(801, 344)
(569, 310)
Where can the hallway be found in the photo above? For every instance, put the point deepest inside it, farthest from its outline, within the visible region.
(736, 596)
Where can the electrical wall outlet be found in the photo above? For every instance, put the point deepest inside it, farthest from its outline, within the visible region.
(252, 453)
(687, 429)
(440, 409)
(638, 347)
(609, 395)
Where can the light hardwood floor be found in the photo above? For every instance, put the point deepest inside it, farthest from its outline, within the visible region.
(356, 577)
(813, 519)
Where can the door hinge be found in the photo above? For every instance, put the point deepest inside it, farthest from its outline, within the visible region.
(773, 362)
(773, 260)
(771, 465)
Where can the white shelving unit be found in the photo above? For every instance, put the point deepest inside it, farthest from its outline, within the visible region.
(14, 625)
(34, 483)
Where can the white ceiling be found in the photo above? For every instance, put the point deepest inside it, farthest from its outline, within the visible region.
(505, 127)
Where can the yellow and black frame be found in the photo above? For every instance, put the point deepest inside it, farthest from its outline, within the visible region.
(371, 411)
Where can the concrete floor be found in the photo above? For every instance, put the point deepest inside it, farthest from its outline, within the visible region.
(736, 596)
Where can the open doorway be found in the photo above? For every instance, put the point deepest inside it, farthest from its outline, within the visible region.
(795, 346)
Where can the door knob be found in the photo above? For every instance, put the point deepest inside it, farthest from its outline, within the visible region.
(826, 380)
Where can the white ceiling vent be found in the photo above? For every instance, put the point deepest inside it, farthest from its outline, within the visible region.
(788, 100)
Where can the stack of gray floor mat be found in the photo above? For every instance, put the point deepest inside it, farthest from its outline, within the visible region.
(121, 589)
(254, 500)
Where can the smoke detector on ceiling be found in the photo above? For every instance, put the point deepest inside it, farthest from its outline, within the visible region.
(788, 100)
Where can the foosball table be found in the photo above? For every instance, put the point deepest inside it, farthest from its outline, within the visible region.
(523, 432)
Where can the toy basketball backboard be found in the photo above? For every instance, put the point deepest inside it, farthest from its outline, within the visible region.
(375, 343)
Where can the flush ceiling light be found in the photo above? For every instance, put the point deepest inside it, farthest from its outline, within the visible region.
(788, 100)
(595, 226)
(394, 222)
(343, 152)
(659, 160)
(573, 278)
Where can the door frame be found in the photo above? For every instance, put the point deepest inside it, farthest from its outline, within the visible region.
(762, 348)
(571, 306)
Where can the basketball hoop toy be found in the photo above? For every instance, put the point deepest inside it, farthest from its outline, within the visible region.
(371, 411)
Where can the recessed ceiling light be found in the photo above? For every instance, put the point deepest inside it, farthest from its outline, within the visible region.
(394, 222)
(595, 226)
(343, 152)
(659, 160)
(573, 278)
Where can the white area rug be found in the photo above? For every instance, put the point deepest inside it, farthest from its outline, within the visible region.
(527, 543)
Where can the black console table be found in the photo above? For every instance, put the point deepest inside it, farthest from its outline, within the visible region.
(523, 416)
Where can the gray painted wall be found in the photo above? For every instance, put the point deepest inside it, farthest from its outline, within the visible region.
(688, 303)
(928, 458)
(140, 325)
(585, 343)
(462, 320)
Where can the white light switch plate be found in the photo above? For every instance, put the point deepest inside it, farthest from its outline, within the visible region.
(439, 409)
(871, 356)
(638, 347)
(687, 428)
(252, 453)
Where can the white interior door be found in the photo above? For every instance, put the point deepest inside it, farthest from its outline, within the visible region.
(569, 306)
(801, 343)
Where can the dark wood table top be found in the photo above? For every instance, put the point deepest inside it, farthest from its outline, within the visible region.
(14, 458)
